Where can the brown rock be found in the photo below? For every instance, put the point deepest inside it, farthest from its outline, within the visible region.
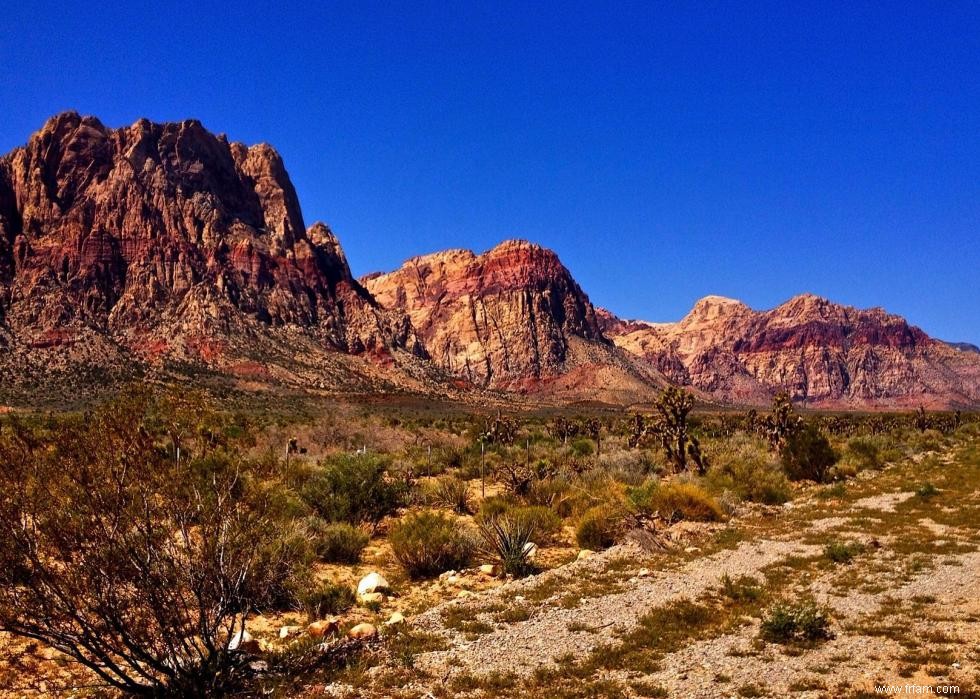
(323, 627)
(363, 631)
(824, 354)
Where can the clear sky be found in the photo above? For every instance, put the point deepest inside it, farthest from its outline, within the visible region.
(665, 150)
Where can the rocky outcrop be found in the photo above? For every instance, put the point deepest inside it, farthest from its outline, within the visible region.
(823, 353)
(497, 319)
(167, 239)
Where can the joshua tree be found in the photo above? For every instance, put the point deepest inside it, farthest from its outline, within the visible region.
(673, 406)
(562, 428)
(500, 430)
(921, 420)
(593, 428)
(781, 423)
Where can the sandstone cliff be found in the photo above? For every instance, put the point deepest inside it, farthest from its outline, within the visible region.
(498, 319)
(823, 353)
(166, 240)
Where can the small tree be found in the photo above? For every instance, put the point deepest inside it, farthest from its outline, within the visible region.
(781, 423)
(138, 565)
(673, 407)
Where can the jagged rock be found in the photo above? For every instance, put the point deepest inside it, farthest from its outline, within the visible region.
(166, 240)
(824, 354)
(495, 319)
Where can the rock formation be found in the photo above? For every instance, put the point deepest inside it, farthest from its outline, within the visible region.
(497, 319)
(166, 240)
(823, 353)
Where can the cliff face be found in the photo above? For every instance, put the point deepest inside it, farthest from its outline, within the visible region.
(823, 353)
(159, 236)
(496, 319)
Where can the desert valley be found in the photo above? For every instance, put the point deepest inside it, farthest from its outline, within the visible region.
(230, 467)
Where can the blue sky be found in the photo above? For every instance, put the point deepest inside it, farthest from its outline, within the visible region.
(665, 150)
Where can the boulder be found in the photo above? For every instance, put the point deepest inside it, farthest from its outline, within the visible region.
(324, 627)
(287, 631)
(372, 582)
(363, 631)
(396, 618)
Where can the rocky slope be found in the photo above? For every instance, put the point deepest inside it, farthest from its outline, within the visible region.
(823, 353)
(495, 319)
(164, 240)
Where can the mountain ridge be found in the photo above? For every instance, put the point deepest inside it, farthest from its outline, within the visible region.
(151, 245)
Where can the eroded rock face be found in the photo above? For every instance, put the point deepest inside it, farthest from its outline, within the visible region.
(821, 352)
(493, 319)
(159, 235)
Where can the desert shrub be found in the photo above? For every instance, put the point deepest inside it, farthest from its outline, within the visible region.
(495, 505)
(786, 623)
(337, 542)
(582, 447)
(553, 493)
(751, 474)
(863, 452)
(927, 490)
(141, 567)
(745, 588)
(352, 488)
(509, 542)
(327, 599)
(598, 528)
(842, 552)
(807, 454)
(428, 543)
(453, 493)
(542, 521)
(630, 467)
(674, 501)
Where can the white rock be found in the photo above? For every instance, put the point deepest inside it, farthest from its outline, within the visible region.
(372, 598)
(489, 569)
(287, 631)
(531, 550)
(239, 639)
(396, 618)
(372, 582)
(584, 553)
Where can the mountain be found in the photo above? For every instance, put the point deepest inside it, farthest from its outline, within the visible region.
(964, 347)
(163, 251)
(166, 241)
(825, 354)
(512, 318)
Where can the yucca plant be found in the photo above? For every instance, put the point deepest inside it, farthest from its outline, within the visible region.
(509, 541)
(453, 493)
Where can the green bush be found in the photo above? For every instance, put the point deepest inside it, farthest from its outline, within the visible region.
(337, 542)
(863, 453)
(543, 522)
(453, 493)
(842, 552)
(674, 501)
(327, 599)
(786, 623)
(352, 488)
(495, 505)
(751, 475)
(582, 447)
(429, 543)
(807, 455)
(742, 589)
(598, 528)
